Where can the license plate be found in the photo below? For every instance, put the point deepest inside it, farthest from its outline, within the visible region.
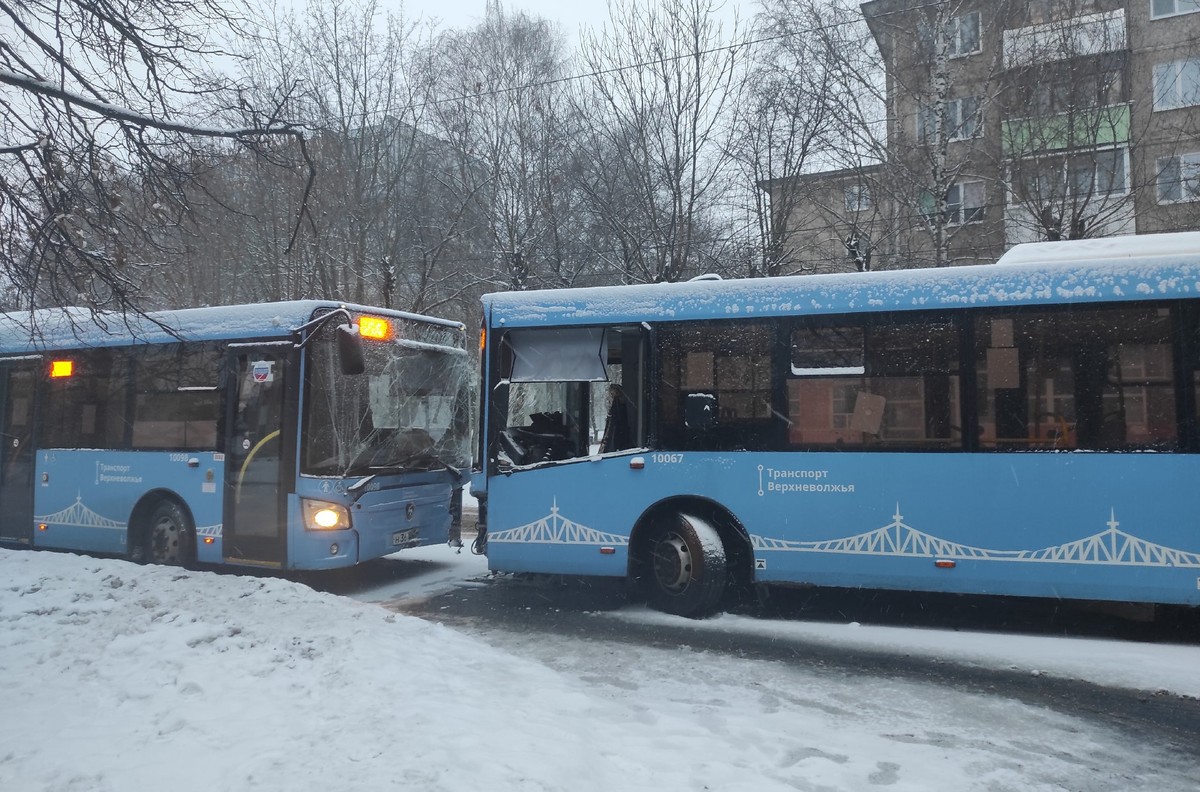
(403, 537)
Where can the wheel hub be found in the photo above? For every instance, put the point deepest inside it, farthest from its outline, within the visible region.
(672, 563)
(164, 540)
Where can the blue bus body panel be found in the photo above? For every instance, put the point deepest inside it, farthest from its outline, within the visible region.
(380, 520)
(1122, 527)
(85, 497)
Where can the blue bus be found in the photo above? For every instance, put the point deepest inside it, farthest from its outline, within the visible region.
(1026, 428)
(292, 435)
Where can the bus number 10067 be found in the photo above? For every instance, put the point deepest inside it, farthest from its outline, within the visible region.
(667, 459)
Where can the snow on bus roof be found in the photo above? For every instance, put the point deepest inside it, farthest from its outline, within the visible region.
(1104, 248)
(47, 328)
(1163, 268)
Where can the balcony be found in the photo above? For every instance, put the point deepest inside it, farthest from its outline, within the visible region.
(1065, 39)
(1082, 128)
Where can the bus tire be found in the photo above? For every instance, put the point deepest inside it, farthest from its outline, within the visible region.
(168, 536)
(685, 569)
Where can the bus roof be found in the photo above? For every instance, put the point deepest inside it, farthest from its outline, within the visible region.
(1162, 266)
(64, 328)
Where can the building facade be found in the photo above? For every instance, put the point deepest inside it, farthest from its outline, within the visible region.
(1011, 121)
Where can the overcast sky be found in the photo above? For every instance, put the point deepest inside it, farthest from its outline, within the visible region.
(571, 14)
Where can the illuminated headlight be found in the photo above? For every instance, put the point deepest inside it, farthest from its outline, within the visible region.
(322, 516)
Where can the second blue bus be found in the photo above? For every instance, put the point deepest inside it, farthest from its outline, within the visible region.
(1026, 428)
(296, 435)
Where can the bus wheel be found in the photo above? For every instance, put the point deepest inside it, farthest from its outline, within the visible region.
(686, 568)
(168, 535)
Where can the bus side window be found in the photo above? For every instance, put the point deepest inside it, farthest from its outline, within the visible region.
(1096, 379)
(568, 393)
(888, 383)
(175, 402)
(87, 409)
(715, 386)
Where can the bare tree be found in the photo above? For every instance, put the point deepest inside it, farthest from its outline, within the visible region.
(941, 88)
(385, 224)
(501, 105)
(782, 130)
(1066, 149)
(101, 130)
(364, 93)
(665, 82)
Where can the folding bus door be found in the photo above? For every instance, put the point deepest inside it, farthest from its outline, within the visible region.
(18, 386)
(255, 523)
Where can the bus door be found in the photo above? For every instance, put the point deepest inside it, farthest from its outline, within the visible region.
(18, 385)
(255, 521)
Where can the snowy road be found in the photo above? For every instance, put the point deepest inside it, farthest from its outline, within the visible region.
(962, 663)
(123, 677)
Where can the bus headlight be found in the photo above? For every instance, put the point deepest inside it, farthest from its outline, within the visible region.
(323, 516)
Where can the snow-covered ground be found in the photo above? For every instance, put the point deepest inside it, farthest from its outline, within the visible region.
(120, 677)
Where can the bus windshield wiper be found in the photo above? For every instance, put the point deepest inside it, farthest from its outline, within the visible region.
(423, 462)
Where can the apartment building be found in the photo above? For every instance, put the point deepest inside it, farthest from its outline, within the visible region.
(1012, 121)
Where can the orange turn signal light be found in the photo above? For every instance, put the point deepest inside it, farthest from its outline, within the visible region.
(375, 328)
(62, 368)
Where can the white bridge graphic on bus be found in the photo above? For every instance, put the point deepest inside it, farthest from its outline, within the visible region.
(1109, 547)
(556, 529)
(78, 515)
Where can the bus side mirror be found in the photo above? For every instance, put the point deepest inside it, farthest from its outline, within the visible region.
(350, 350)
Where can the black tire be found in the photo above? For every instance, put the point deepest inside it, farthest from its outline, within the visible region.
(685, 570)
(168, 536)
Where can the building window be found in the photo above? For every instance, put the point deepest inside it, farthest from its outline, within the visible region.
(962, 120)
(1098, 84)
(1165, 8)
(1080, 177)
(1098, 173)
(1177, 84)
(857, 197)
(964, 34)
(965, 202)
(1179, 178)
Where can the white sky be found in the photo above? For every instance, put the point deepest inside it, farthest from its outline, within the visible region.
(571, 14)
(120, 677)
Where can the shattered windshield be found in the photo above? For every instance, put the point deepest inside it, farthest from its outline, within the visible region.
(409, 411)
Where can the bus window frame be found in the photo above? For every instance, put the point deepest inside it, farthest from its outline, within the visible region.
(498, 360)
